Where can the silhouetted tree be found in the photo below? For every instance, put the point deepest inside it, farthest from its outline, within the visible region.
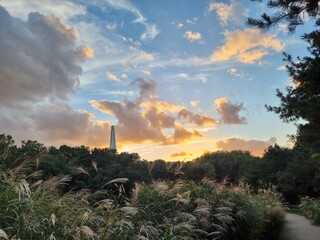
(159, 169)
(292, 12)
(302, 99)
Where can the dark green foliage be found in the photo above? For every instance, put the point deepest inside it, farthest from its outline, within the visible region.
(311, 209)
(159, 169)
(219, 165)
(294, 171)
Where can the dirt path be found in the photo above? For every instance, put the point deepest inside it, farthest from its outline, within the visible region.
(297, 227)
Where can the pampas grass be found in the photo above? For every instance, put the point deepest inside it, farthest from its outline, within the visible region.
(34, 208)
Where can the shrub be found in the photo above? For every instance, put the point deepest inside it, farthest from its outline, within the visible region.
(311, 209)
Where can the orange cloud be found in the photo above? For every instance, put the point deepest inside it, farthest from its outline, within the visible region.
(192, 36)
(182, 135)
(149, 119)
(196, 118)
(256, 147)
(159, 119)
(87, 52)
(232, 12)
(62, 28)
(194, 103)
(161, 105)
(180, 154)
(246, 46)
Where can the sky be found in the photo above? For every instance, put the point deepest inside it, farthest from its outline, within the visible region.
(176, 78)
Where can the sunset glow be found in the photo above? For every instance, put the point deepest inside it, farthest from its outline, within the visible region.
(176, 78)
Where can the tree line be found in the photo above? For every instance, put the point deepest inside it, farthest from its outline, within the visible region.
(295, 172)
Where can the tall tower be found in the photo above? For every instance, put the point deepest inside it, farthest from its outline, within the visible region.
(113, 139)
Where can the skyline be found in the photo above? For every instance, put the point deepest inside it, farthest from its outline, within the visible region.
(175, 79)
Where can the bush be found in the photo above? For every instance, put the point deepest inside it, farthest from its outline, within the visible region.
(311, 209)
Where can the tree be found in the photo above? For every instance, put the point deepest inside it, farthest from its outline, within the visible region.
(31, 148)
(8, 151)
(302, 100)
(159, 169)
(292, 12)
(219, 165)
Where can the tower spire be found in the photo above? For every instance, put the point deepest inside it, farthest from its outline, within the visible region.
(113, 139)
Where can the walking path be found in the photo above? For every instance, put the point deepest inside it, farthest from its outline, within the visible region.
(297, 227)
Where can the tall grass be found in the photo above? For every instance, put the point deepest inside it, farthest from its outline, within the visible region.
(311, 209)
(31, 208)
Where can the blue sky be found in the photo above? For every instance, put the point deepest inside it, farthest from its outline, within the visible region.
(177, 78)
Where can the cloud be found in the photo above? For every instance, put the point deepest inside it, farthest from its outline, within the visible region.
(240, 74)
(226, 13)
(229, 112)
(60, 8)
(232, 70)
(256, 147)
(117, 92)
(194, 103)
(180, 154)
(150, 119)
(87, 52)
(112, 76)
(131, 127)
(40, 68)
(39, 59)
(159, 119)
(161, 105)
(146, 56)
(124, 76)
(146, 72)
(246, 46)
(178, 24)
(55, 124)
(282, 68)
(111, 26)
(60, 123)
(182, 135)
(150, 33)
(283, 27)
(131, 40)
(151, 30)
(137, 126)
(202, 77)
(196, 118)
(192, 36)
(192, 20)
(147, 88)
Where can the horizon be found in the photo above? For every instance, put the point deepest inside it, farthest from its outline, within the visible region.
(174, 83)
